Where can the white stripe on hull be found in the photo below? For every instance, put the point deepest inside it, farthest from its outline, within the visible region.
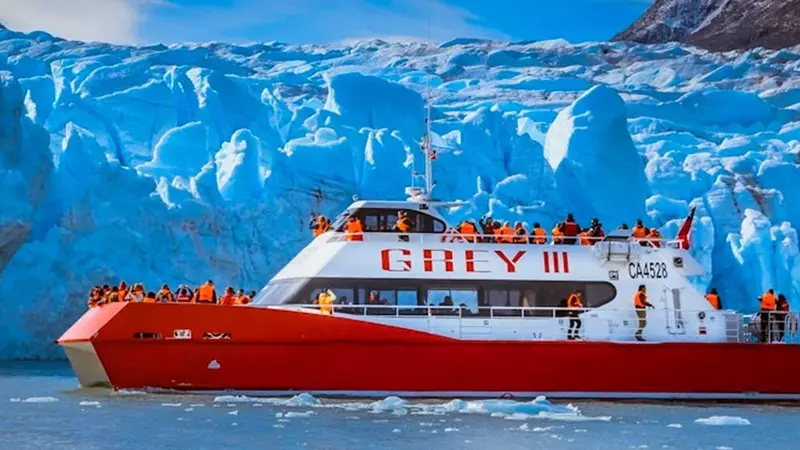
(85, 363)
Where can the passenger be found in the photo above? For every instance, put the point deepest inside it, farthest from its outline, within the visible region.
(150, 297)
(94, 298)
(165, 295)
(206, 293)
(640, 231)
(325, 300)
(575, 307)
(520, 233)
(713, 299)
(353, 229)
(768, 305)
(137, 293)
(113, 295)
(584, 238)
(488, 226)
(557, 233)
(468, 229)
(242, 298)
(570, 230)
(781, 314)
(504, 234)
(184, 294)
(654, 238)
(252, 295)
(539, 235)
(640, 303)
(402, 226)
(122, 291)
(596, 232)
(319, 224)
(623, 226)
(228, 298)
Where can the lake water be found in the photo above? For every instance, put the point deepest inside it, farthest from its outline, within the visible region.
(41, 406)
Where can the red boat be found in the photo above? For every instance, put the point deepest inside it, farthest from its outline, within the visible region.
(430, 313)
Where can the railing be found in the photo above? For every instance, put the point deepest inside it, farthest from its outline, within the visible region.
(390, 236)
(728, 326)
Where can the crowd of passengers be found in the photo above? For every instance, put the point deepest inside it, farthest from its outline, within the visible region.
(206, 293)
(567, 232)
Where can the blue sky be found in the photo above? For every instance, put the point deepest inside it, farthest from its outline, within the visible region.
(321, 21)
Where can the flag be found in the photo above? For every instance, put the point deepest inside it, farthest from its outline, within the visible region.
(686, 229)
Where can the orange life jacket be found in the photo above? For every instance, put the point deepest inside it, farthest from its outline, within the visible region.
(713, 299)
(322, 226)
(468, 230)
(574, 302)
(557, 236)
(243, 300)
(571, 229)
(148, 300)
(122, 295)
(228, 300)
(354, 230)
(585, 240)
(205, 294)
(403, 225)
(640, 299)
(325, 303)
(639, 232)
(504, 234)
(655, 236)
(768, 302)
(539, 236)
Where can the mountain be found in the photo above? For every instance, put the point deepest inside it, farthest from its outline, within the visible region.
(183, 162)
(719, 25)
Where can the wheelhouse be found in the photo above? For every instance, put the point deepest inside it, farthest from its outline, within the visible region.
(382, 216)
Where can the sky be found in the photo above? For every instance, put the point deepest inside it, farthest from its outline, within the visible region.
(320, 21)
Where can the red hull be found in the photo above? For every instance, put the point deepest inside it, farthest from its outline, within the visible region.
(276, 350)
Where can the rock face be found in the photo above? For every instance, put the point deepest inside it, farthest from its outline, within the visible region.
(719, 25)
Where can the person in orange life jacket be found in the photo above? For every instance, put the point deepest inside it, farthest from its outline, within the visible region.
(319, 224)
(242, 298)
(468, 229)
(228, 298)
(781, 313)
(713, 299)
(575, 307)
(325, 300)
(403, 226)
(206, 293)
(584, 238)
(558, 235)
(596, 232)
(94, 297)
(504, 234)
(520, 233)
(353, 229)
(640, 232)
(150, 297)
(768, 302)
(570, 230)
(122, 291)
(640, 303)
(539, 236)
(165, 295)
(654, 238)
(183, 294)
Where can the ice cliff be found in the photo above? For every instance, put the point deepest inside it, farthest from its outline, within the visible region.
(176, 163)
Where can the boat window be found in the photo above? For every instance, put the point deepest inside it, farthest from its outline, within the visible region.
(277, 292)
(384, 219)
(344, 296)
(447, 300)
(505, 299)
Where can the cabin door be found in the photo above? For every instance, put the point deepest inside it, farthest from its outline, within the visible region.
(672, 302)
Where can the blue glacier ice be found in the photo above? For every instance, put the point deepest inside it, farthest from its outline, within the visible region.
(176, 163)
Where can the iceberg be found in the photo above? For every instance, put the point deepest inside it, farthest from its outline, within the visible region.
(178, 163)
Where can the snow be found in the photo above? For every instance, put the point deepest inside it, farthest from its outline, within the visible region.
(198, 161)
(723, 420)
(35, 400)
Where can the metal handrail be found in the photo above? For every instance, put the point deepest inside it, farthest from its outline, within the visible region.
(455, 237)
(742, 331)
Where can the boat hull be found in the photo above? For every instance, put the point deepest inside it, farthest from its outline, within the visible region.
(283, 351)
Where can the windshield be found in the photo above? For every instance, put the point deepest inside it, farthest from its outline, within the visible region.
(277, 292)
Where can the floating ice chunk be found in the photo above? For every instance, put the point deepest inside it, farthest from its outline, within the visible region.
(388, 404)
(293, 414)
(172, 405)
(15, 400)
(517, 416)
(189, 409)
(40, 400)
(524, 427)
(723, 420)
(396, 430)
(723, 447)
(277, 425)
(125, 392)
(674, 425)
(235, 412)
(89, 403)
(304, 399)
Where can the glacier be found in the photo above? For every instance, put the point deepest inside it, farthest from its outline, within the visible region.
(176, 163)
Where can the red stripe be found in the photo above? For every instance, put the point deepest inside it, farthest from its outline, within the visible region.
(555, 262)
(566, 261)
(546, 262)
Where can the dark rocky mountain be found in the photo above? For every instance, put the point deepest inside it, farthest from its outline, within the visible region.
(719, 25)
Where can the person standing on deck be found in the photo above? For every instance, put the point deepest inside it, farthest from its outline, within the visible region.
(781, 314)
(403, 226)
(575, 307)
(768, 302)
(206, 293)
(353, 230)
(640, 303)
(539, 236)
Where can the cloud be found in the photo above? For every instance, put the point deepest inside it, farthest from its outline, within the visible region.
(114, 21)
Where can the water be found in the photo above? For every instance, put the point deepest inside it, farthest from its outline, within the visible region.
(41, 406)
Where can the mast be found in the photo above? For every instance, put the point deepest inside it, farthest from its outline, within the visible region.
(427, 147)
